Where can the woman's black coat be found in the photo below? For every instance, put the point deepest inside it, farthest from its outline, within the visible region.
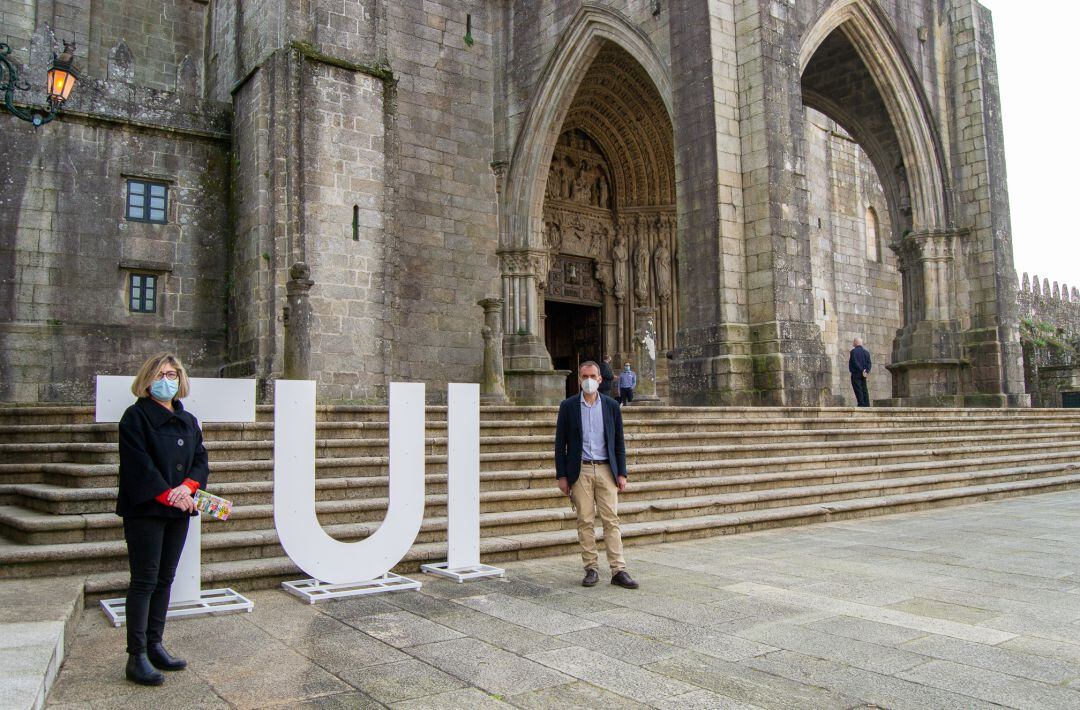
(158, 450)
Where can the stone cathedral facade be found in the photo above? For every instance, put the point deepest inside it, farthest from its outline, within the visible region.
(727, 191)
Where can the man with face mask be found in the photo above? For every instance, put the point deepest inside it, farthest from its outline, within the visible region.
(590, 467)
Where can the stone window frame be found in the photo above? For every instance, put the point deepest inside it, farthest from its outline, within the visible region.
(147, 285)
(156, 270)
(147, 183)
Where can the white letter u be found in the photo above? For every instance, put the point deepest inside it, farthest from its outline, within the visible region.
(298, 529)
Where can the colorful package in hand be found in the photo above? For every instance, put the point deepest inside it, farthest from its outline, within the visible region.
(212, 505)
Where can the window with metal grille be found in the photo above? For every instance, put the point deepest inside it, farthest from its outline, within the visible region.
(142, 294)
(147, 201)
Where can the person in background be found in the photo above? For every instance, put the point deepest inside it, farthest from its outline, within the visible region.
(627, 383)
(162, 464)
(590, 467)
(859, 367)
(607, 376)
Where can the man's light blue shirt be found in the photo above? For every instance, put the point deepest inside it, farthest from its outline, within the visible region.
(592, 431)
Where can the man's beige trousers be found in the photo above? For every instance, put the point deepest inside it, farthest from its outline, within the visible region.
(595, 492)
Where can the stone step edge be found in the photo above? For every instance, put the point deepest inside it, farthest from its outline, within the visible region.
(55, 493)
(34, 521)
(78, 469)
(855, 440)
(234, 570)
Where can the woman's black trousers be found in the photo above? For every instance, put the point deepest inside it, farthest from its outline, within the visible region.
(154, 547)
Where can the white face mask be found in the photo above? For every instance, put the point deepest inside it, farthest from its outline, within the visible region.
(589, 386)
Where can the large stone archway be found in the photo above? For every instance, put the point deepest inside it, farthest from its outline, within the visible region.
(588, 203)
(853, 71)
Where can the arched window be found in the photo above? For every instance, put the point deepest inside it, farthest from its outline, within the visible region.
(873, 253)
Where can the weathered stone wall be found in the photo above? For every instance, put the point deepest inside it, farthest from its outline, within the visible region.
(856, 292)
(67, 249)
(445, 237)
(160, 34)
(1053, 310)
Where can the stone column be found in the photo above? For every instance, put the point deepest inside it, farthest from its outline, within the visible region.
(645, 351)
(712, 364)
(530, 378)
(492, 388)
(298, 323)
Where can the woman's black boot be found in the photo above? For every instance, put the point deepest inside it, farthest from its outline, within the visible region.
(140, 671)
(162, 660)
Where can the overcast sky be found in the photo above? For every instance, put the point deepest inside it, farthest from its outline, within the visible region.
(1038, 55)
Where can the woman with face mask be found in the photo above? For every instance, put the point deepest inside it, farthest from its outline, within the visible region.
(162, 464)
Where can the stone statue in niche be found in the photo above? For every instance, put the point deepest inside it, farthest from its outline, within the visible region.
(597, 239)
(582, 184)
(662, 267)
(602, 192)
(619, 258)
(641, 273)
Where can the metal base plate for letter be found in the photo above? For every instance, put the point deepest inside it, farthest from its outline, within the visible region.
(211, 601)
(460, 574)
(312, 590)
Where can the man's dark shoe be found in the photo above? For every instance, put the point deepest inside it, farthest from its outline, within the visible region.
(591, 578)
(162, 660)
(140, 671)
(622, 579)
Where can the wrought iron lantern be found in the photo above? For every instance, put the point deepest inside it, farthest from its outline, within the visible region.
(62, 77)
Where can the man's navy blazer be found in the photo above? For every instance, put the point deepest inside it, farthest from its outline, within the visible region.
(568, 438)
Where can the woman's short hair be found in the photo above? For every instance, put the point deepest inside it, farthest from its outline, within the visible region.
(149, 370)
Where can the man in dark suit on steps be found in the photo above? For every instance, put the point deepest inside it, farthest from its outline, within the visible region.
(859, 367)
(590, 467)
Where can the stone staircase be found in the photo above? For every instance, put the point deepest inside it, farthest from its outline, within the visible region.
(694, 472)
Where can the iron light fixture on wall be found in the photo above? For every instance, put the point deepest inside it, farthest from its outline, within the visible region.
(62, 77)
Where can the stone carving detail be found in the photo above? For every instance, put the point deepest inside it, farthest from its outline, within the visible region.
(662, 268)
(575, 279)
(641, 273)
(619, 257)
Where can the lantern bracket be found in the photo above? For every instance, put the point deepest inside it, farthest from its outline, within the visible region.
(10, 83)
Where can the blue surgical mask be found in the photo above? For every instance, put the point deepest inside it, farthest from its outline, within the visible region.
(164, 390)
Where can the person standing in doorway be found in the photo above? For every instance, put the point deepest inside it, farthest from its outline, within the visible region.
(590, 467)
(607, 376)
(627, 383)
(859, 367)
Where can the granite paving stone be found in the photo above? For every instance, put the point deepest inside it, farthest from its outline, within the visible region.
(744, 683)
(403, 629)
(864, 630)
(404, 680)
(631, 648)
(346, 650)
(489, 668)
(273, 676)
(454, 700)
(527, 614)
(944, 610)
(992, 686)
(846, 651)
(578, 695)
(703, 700)
(611, 674)
(349, 700)
(503, 634)
(680, 634)
(994, 658)
(869, 688)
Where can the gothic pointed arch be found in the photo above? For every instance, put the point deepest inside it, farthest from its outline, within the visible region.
(880, 103)
(526, 179)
